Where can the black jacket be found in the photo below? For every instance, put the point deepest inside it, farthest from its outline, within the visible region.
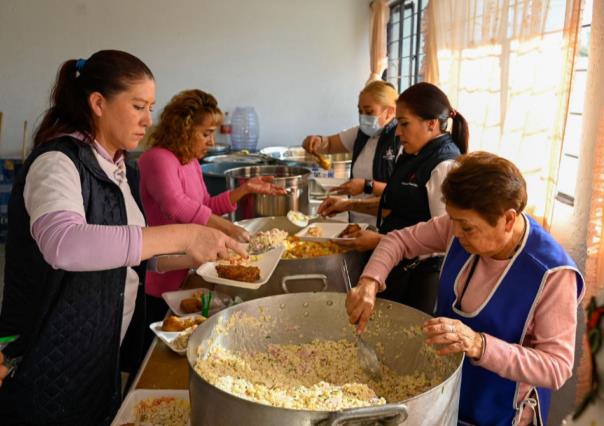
(384, 158)
(406, 194)
(69, 322)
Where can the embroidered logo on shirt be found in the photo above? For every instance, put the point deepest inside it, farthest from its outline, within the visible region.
(389, 155)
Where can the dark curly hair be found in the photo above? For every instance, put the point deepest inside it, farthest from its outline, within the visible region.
(487, 184)
(183, 113)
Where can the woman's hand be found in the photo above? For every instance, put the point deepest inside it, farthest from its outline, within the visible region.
(455, 336)
(263, 185)
(3, 368)
(206, 244)
(352, 187)
(238, 233)
(314, 144)
(360, 302)
(333, 205)
(361, 240)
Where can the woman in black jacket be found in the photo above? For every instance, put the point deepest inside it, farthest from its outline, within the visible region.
(413, 193)
(77, 245)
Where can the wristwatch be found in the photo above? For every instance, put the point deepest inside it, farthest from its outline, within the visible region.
(368, 187)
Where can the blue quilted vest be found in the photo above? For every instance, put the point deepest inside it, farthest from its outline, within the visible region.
(486, 398)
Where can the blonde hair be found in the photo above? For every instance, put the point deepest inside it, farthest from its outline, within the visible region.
(382, 92)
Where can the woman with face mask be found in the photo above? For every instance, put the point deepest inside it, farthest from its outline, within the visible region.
(413, 193)
(373, 144)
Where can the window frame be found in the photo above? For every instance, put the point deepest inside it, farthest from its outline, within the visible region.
(401, 8)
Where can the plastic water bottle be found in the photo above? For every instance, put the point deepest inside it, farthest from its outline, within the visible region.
(244, 124)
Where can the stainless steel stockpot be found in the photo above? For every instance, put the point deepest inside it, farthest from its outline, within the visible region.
(322, 316)
(341, 163)
(293, 179)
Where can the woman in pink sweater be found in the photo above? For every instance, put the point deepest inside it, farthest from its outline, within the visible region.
(508, 293)
(172, 186)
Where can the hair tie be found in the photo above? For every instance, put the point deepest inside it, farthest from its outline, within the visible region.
(452, 113)
(79, 65)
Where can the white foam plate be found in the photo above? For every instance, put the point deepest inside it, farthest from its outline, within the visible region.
(329, 231)
(330, 183)
(126, 411)
(167, 337)
(267, 262)
(173, 298)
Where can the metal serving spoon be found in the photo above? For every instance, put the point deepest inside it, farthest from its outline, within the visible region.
(300, 219)
(367, 356)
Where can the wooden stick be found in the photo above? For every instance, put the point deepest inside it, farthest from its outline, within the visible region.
(24, 143)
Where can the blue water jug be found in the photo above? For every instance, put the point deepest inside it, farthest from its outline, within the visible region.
(244, 129)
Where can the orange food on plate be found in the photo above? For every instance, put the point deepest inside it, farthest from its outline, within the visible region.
(190, 305)
(248, 274)
(174, 323)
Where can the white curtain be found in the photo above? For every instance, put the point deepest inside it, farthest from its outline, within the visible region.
(506, 65)
(377, 49)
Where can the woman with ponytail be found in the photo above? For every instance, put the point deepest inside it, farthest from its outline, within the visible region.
(77, 245)
(413, 193)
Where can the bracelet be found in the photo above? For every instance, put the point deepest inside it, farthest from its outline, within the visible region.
(484, 346)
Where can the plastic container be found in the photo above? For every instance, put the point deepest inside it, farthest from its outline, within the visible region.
(245, 131)
(225, 130)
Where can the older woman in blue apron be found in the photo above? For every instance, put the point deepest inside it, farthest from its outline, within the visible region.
(504, 280)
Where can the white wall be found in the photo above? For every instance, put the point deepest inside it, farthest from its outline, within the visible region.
(299, 63)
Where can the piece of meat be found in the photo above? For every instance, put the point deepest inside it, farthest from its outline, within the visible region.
(248, 274)
(174, 323)
(349, 230)
(190, 305)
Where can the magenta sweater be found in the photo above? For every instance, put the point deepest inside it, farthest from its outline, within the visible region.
(175, 193)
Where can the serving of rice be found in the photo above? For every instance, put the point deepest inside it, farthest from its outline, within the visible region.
(164, 411)
(322, 375)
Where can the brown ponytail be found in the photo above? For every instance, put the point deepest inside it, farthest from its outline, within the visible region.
(108, 72)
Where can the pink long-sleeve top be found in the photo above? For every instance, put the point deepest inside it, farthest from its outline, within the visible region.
(172, 192)
(546, 355)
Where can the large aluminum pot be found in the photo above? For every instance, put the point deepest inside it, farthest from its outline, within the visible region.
(293, 179)
(297, 156)
(322, 316)
(214, 176)
(298, 275)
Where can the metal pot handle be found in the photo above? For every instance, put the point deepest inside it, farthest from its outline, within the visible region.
(321, 277)
(389, 414)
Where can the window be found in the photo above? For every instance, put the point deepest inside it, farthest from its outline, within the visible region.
(405, 43)
(569, 162)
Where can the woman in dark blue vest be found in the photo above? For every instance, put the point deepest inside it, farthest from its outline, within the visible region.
(373, 144)
(77, 247)
(413, 193)
(508, 293)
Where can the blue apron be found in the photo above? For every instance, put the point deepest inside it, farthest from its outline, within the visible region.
(486, 398)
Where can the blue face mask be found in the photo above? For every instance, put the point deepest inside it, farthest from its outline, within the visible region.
(370, 124)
